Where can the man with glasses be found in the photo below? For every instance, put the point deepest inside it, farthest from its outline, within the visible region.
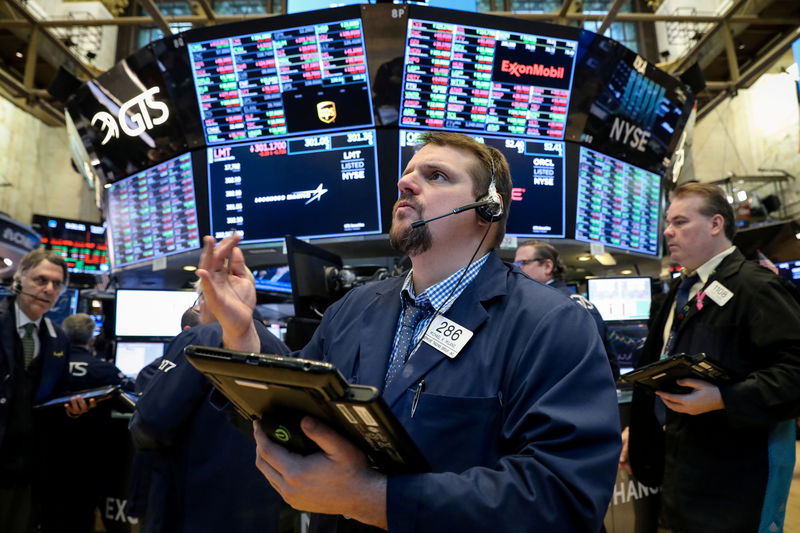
(33, 366)
(540, 261)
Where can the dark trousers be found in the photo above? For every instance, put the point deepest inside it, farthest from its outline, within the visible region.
(16, 509)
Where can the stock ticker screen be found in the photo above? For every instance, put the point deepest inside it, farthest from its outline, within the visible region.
(537, 172)
(153, 213)
(296, 80)
(618, 204)
(82, 244)
(311, 186)
(474, 79)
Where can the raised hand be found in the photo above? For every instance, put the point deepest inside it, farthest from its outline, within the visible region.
(228, 291)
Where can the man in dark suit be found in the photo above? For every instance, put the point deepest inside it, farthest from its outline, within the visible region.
(33, 366)
(723, 453)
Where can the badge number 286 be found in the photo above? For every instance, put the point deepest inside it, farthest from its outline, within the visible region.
(447, 336)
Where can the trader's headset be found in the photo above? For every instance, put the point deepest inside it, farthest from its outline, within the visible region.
(493, 210)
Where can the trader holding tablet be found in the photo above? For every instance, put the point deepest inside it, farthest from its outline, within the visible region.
(500, 381)
(723, 454)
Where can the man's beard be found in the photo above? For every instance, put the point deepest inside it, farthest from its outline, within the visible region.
(410, 241)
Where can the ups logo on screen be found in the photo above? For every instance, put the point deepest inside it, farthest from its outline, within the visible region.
(326, 111)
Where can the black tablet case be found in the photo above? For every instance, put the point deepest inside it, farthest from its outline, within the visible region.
(98, 393)
(279, 391)
(662, 375)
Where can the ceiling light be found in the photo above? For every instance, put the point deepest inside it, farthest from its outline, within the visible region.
(797, 236)
(190, 268)
(19, 54)
(9, 262)
(730, 199)
(584, 257)
(741, 195)
(626, 272)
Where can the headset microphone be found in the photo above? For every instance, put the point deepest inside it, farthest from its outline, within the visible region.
(467, 207)
(17, 289)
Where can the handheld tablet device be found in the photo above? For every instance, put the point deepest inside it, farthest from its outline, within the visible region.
(99, 393)
(279, 391)
(662, 375)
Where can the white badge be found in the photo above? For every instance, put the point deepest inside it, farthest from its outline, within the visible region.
(447, 336)
(718, 293)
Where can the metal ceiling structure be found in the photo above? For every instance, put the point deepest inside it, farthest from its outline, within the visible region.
(732, 49)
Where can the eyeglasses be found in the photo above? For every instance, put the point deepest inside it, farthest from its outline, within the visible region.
(41, 281)
(527, 261)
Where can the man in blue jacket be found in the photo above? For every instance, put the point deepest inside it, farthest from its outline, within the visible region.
(33, 367)
(540, 260)
(515, 407)
(203, 477)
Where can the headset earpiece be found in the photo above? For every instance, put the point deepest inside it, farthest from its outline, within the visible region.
(493, 211)
(17, 287)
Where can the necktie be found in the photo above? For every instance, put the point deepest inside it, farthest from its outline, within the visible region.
(411, 318)
(682, 296)
(28, 344)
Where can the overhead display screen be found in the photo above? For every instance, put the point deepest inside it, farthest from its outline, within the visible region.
(312, 186)
(627, 107)
(302, 79)
(618, 204)
(153, 213)
(82, 244)
(473, 79)
(537, 175)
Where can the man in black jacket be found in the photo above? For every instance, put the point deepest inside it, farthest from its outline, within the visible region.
(724, 453)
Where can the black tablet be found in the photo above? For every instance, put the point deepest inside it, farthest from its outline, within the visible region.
(99, 393)
(279, 391)
(662, 375)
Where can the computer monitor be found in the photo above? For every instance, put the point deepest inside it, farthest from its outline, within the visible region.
(486, 74)
(537, 172)
(67, 304)
(621, 299)
(273, 279)
(627, 340)
(287, 75)
(132, 357)
(313, 275)
(790, 271)
(81, 243)
(314, 186)
(153, 213)
(618, 204)
(149, 314)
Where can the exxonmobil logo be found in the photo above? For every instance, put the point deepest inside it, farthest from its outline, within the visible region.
(517, 69)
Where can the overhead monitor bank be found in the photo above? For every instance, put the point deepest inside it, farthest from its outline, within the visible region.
(302, 124)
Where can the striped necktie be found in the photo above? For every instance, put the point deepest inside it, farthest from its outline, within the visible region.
(28, 343)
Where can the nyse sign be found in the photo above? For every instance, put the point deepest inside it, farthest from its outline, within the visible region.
(140, 118)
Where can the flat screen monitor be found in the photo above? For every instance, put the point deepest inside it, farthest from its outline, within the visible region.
(625, 106)
(82, 244)
(282, 79)
(67, 304)
(153, 213)
(313, 186)
(790, 270)
(273, 279)
(627, 340)
(537, 174)
(150, 313)
(502, 76)
(132, 357)
(98, 324)
(621, 299)
(617, 204)
(313, 280)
